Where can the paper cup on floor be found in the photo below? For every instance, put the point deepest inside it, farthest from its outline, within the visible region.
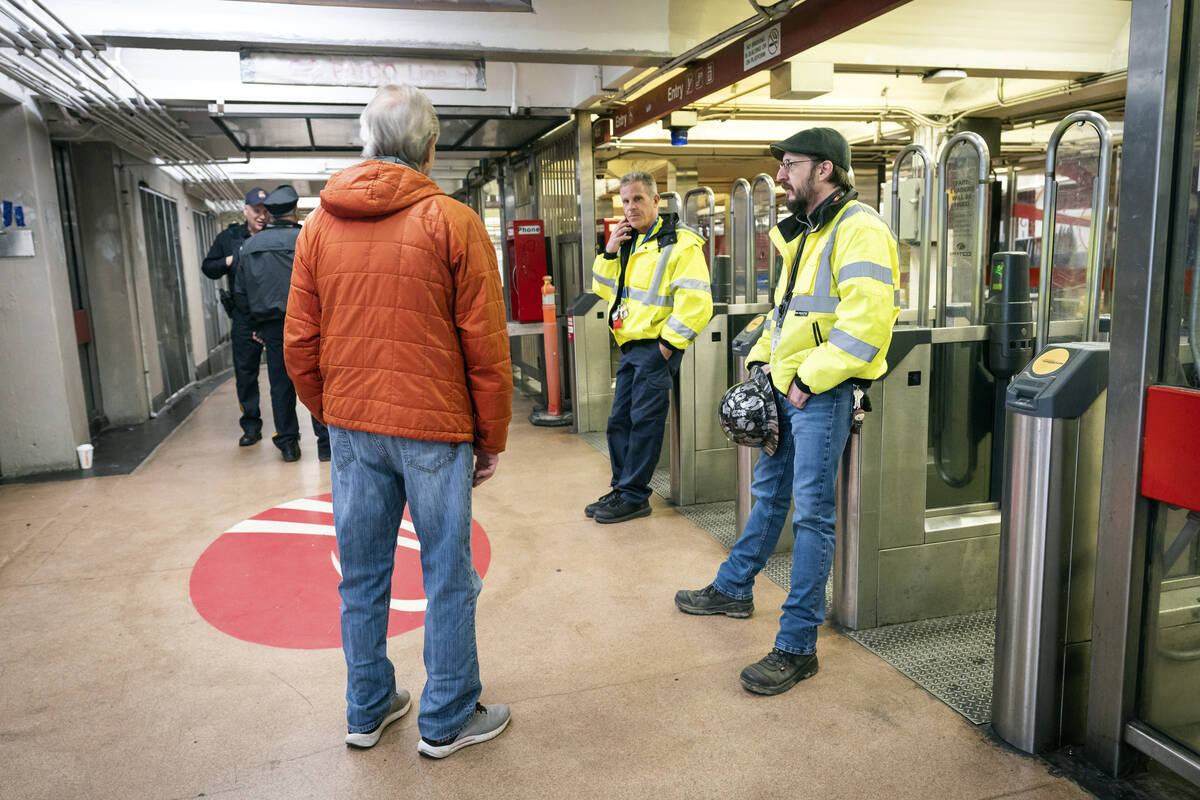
(84, 451)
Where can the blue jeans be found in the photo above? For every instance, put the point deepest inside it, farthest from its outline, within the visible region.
(373, 476)
(804, 468)
(635, 428)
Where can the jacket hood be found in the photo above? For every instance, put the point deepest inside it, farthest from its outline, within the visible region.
(375, 189)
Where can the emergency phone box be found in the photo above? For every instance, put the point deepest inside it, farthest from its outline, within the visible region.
(527, 268)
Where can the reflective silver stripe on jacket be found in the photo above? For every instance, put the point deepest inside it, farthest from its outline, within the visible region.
(865, 269)
(683, 330)
(651, 298)
(822, 300)
(855, 347)
(609, 282)
(692, 283)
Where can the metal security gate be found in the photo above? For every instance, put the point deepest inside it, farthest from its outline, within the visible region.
(216, 321)
(160, 221)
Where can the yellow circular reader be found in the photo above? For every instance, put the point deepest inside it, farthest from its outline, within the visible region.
(1051, 361)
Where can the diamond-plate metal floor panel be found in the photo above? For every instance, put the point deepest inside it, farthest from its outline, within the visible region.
(660, 481)
(950, 657)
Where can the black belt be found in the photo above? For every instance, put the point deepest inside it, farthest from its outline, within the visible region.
(632, 343)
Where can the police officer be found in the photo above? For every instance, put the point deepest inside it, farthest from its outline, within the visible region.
(264, 276)
(827, 336)
(653, 277)
(247, 353)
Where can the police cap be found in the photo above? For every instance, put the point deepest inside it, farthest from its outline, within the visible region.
(256, 196)
(282, 200)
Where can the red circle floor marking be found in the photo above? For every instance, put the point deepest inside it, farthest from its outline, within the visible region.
(273, 578)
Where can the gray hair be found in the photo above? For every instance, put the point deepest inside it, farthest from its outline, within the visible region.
(644, 178)
(399, 121)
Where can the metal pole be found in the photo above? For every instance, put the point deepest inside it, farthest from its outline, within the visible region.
(741, 251)
(1024, 674)
(981, 220)
(926, 222)
(764, 182)
(1095, 236)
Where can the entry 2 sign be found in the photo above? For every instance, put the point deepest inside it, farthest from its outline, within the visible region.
(272, 579)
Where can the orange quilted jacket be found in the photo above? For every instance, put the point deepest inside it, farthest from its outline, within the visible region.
(395, 320)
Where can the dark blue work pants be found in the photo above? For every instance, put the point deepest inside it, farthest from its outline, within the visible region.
(635, 428)
(247, 357)
(283, 393)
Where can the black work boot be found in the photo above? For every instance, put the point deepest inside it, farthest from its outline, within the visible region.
(620, 511)
(711, 600)
(249, 438)
(778, 672)
(591, 508)
(290, 451)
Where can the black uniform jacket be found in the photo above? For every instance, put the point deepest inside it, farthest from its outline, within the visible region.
(227, 243)
(264, 271)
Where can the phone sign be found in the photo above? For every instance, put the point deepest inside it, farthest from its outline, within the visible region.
(525, 230)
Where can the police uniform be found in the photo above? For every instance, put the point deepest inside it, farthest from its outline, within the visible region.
(264, 274)
(656, 289)
(247, 353)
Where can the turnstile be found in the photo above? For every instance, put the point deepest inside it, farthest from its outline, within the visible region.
(1049, 519)
(920, 488)
(590, 352)
(702, 460)
(917, 528)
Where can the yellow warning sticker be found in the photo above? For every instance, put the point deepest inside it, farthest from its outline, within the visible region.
(1051, 361)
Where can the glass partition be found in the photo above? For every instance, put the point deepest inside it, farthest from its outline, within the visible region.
(1169, 675)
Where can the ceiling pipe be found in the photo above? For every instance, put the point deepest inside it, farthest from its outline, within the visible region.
(67, 70)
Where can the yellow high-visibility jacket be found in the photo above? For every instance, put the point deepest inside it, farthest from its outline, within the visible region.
(666, 288)
(838, 323)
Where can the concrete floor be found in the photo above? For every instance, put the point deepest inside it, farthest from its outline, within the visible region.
(113, 686)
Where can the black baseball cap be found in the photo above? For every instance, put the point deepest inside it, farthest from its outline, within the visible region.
(256, 196)
(282, 200)
(823, 143)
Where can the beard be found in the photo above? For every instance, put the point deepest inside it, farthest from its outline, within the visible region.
(802, 203)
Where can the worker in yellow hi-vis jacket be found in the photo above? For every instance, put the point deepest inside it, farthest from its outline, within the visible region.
(827, 338)
(654, 280)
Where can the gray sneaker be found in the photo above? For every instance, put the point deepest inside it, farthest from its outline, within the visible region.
(401, 702)
(487, 722)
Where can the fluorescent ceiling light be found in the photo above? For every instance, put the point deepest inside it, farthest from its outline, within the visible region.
(943, 76)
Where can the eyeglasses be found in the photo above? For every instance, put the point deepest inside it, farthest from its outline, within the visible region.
(789, 164)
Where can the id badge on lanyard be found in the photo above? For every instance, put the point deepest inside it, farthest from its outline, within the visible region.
(620, 312)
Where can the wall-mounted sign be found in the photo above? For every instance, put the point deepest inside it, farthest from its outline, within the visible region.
(306, 69)
(761, 47)
(16, 243)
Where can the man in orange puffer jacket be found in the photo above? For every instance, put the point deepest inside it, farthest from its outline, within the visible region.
(396, 339)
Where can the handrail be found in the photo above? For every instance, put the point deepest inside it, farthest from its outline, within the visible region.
(1095, 232)
(926, 222)
(741, 240)
(766, 182)
(695, 223)
(981, 224)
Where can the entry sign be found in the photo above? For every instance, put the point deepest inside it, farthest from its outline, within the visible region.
(273, 578)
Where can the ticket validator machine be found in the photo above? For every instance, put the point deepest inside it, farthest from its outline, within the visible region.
(1051, 502)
